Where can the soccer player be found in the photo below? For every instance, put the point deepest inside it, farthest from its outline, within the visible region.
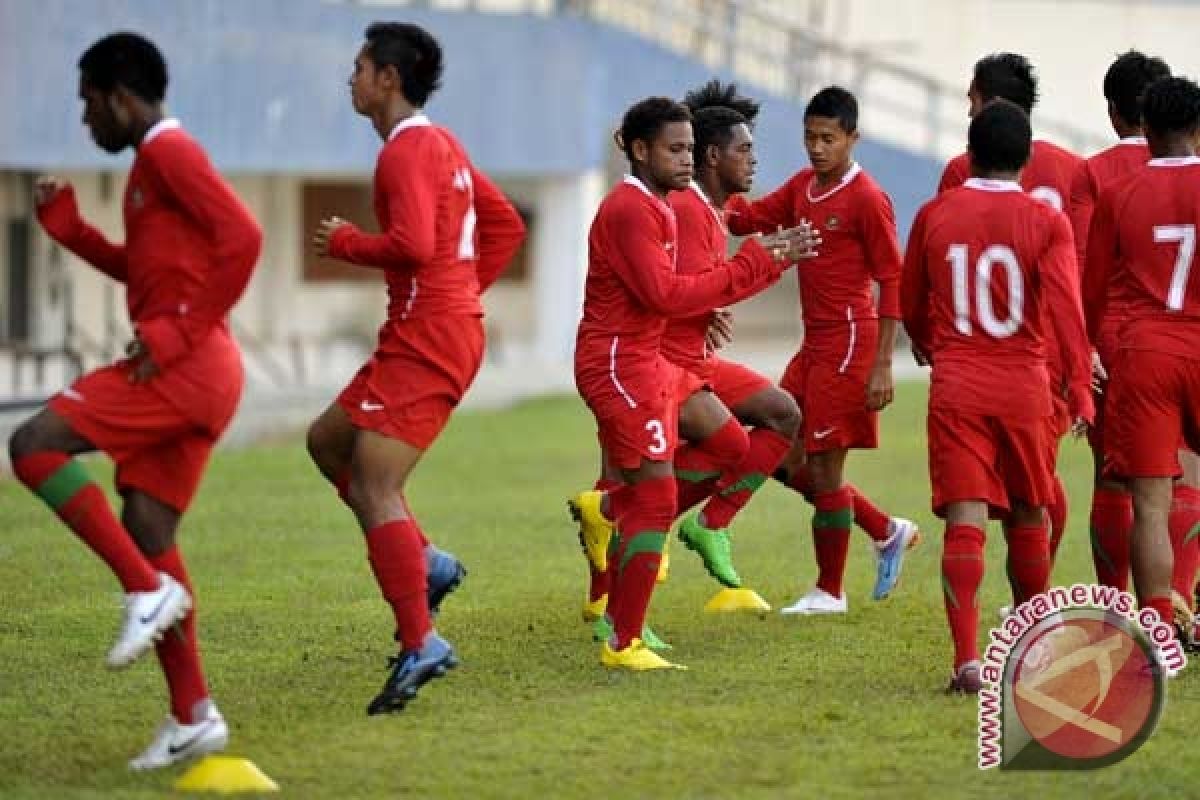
(1112, 509)
(632, 289)
(842, 376)
(1142, 243)
(1047, 176)
(446, 233)
(190, 247)
(717, 396)
(988, 268)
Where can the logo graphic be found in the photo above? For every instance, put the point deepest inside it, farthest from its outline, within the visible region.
(367, 405)
(821, 434)
(1074, 679)
(832, 223)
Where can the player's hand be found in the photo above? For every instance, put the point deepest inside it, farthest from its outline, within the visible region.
(144, 367)
(1099, 374)
(880, 388)
(792, 244)
(324, 233)
(47, 188)
(720, 329)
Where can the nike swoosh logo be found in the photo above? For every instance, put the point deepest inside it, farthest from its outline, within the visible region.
(824, 433)
(367, 406)
(177, 749)
(145, 620)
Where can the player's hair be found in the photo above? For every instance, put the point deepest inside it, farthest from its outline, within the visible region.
(1008, 76)
(1171, 105)
(129, 60)
(1128, 78)
(715, 94)
(999, 137)
(646, 118)
(834, 102)
(415, 54)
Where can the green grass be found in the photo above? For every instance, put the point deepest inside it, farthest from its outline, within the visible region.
(295, 638)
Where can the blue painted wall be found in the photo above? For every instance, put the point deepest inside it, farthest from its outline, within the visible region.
(263, 84)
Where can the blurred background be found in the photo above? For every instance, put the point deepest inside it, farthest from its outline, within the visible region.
(534, 89)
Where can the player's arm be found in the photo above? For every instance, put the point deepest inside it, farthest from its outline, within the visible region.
(210, 202)
(1081, 206)
(407, 177)
(1060, 283)
(765, 214)
(1101, 260)
(644, 266)
(59, 215)
(882, 252)
(914, 291)
(499, 226)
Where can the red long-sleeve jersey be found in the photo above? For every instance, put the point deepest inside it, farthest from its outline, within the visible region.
(858, 245)
(1143, 242)
(1094, 176)
(190, 247)
(633, 286)
(1047, 176)
(987, 271)
(447, 231)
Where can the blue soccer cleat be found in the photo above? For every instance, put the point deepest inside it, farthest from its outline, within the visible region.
(410, 671)
(445, 573)
(904, 536)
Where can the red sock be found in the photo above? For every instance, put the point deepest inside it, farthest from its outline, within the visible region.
(734, 490)
(600, 580)
(1028, 561)
(1184, 525)
(1056, 510)
(64, 484)
(831, 537)
(398, 561)
(1111, 524)
(699, 465)
(868, 517)
(178, 653)
(1162, 605)
(648, 511)
(962, 573)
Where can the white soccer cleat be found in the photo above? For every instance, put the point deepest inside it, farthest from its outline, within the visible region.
(175, 742)
(147, 616)
(818, 601)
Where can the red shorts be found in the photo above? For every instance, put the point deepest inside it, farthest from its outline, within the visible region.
(636, 405)
(415, 379)
(830, 386)
(1107, 349)
(988, 459)
(1152, 409)
(732, 383)
(158, 449)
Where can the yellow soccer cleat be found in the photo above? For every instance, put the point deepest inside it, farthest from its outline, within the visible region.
(594, 609)
(664, 566)
(636, 657)
(595, 530)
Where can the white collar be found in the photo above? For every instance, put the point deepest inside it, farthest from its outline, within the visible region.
(990, 185)
(1174, 161)
(709, 203)
(1133, 140)
(850, 175)
(633, 180)
(418, 120)
(164, 124)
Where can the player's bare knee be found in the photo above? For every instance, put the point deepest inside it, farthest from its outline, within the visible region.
(23, 440)
(781, 414)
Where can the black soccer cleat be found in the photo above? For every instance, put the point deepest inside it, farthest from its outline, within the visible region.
(410, 671)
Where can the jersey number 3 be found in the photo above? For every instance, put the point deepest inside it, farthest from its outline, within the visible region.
(996, 255)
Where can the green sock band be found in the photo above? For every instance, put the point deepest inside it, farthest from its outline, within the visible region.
(695, 475)
(748, 483)
(59, 488)
(644, 542)
(842, 518)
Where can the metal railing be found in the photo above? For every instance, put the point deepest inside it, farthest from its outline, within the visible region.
(752, 42)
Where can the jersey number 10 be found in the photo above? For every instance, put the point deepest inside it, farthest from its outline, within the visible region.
(996, 255)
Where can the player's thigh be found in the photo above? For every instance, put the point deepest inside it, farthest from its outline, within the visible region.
(382, 463)
(46, 430)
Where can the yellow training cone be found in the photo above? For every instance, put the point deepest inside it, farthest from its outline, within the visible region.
(737, 600)
(225, 774)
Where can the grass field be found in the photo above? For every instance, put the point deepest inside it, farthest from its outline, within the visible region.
(296, 637)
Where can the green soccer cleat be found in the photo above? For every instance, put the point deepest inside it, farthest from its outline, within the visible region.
(714, 548)
(602, 631)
